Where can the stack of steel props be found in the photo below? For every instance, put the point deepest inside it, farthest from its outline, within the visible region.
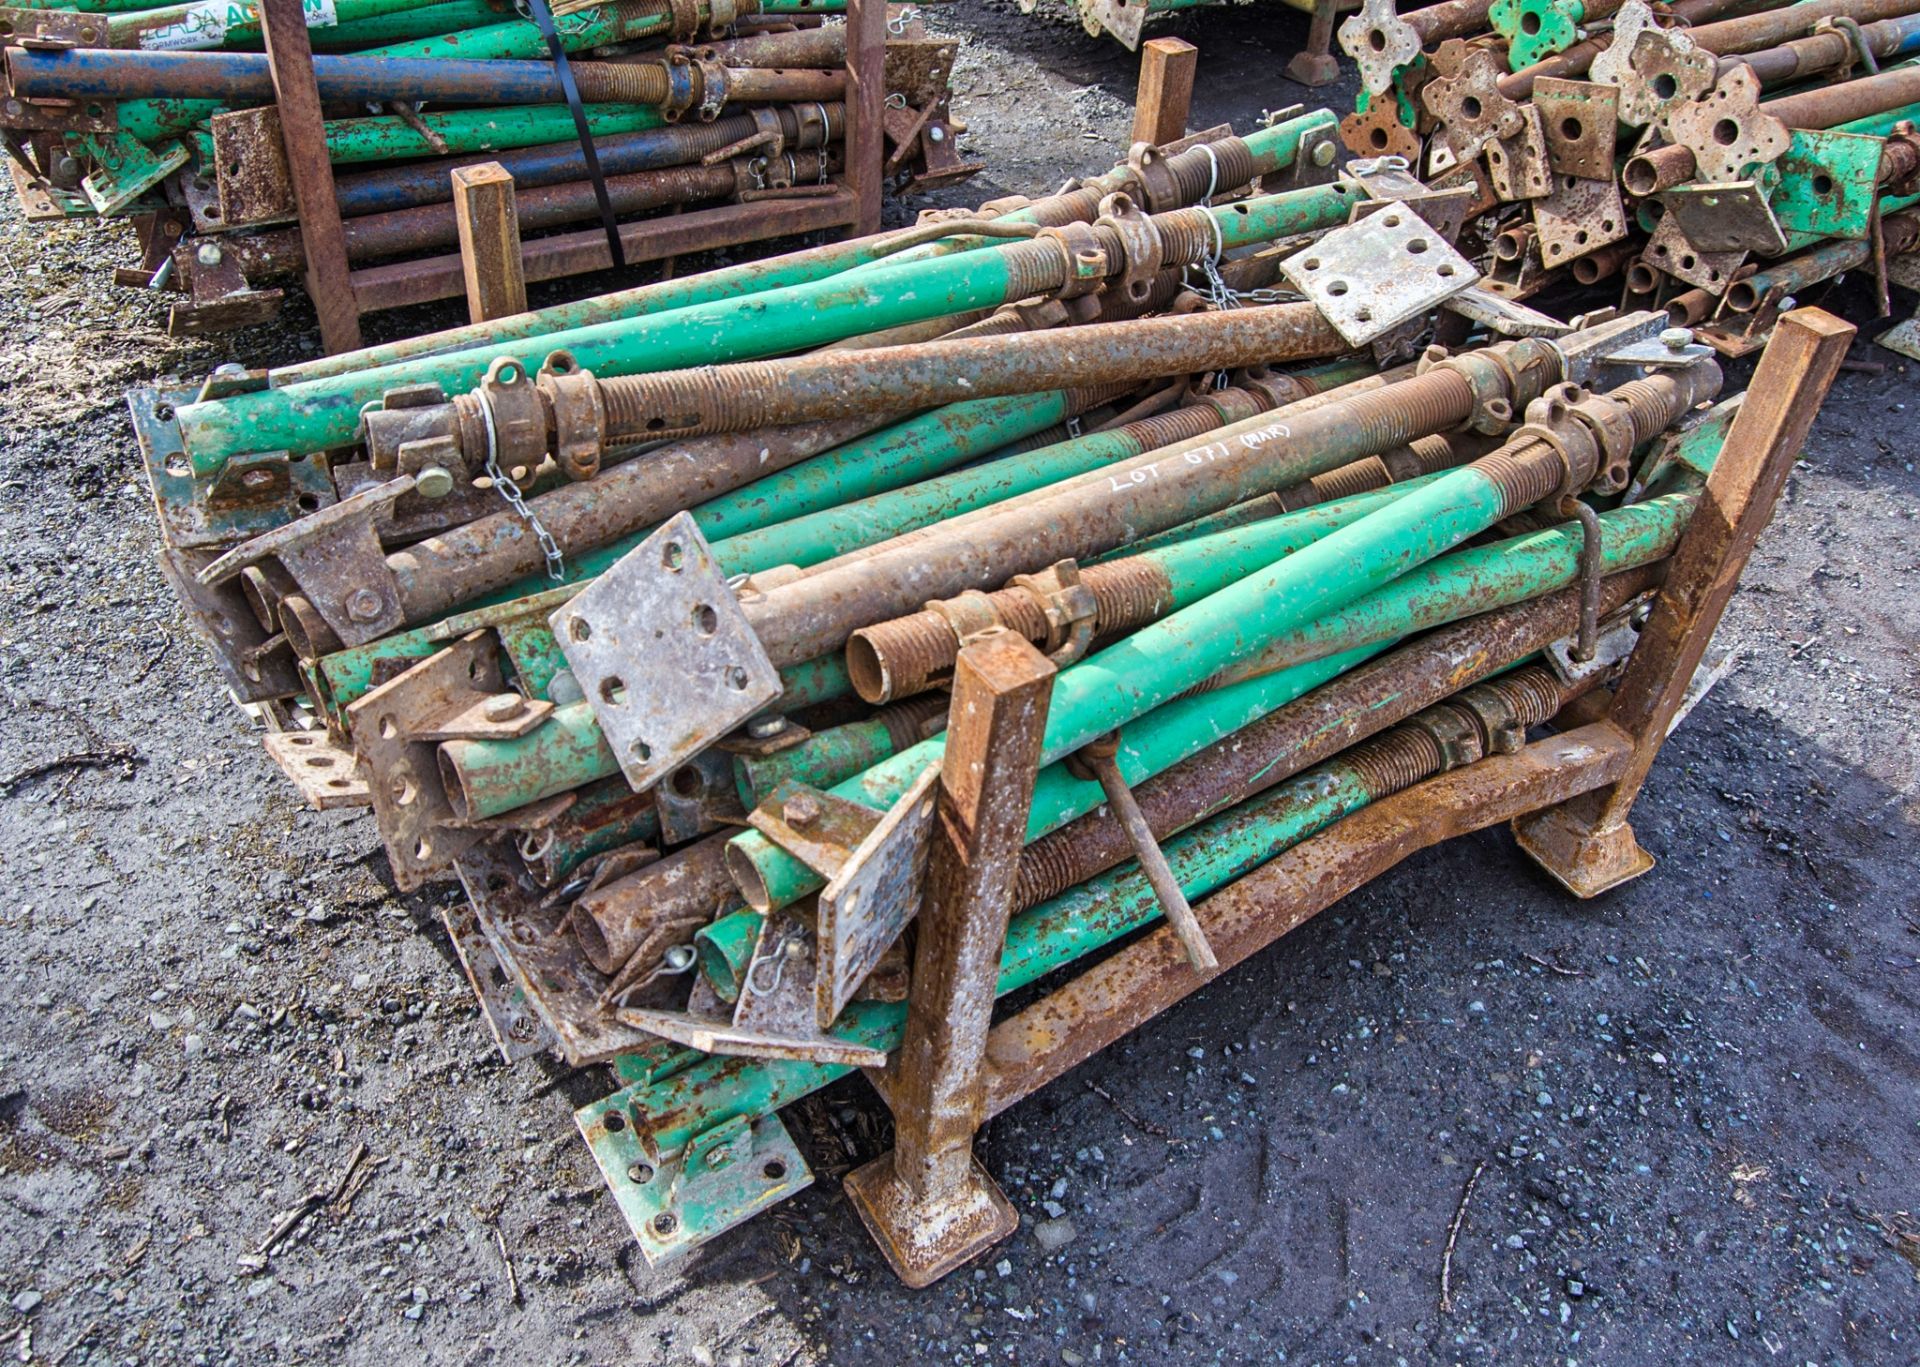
(714, 569)
(1715, 166)
(163, 117)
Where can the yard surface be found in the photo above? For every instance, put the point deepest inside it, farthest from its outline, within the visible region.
(1693, 1106)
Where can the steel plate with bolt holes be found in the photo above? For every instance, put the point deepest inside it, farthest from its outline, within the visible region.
(1733, 217)
(1380, 42)
(409, 804)
(1371, 276)
(678, 1203)
(191, 514)
(1669, 250)
(1827, 183)
(1517, 166)
(517, 1032)
(1577, 217)
(877, 891)
(335, 556)
(322, 771)
(664, 601)
(1727, 129)
(540, 959)
(1581, 121)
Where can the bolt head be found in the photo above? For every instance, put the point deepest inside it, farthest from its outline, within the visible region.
(764, 728)
(208, 254)
(1323, 154)
(1676, 339)
(433, 482)
(936, 134)
(802, 809)
(504, 707)
(718, 1157)
(363, 605)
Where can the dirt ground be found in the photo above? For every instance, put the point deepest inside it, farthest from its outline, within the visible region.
(1691, 1105)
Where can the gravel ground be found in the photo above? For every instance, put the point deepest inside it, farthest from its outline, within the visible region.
(1690, 1106)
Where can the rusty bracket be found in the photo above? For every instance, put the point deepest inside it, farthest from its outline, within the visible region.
(336, 558)
(1580, 120)
(1613, 642)
(579, 412)
(667, 589)
(1669, 250)
(1507, 317)
(1577, 217)
(1468, 103)
(1086, 260)
(455, 694)
(541, 967)
(253, 183)
(52, 29)
(769, 134)
(1655, 69)
(869, 900)
(1139, 244)
(517, 1031)
(1517, 164)
(322, 772)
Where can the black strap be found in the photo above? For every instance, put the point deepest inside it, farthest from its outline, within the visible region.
(543, 17)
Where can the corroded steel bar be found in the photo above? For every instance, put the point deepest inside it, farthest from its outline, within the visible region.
(1900, 234)
(928, 1204)
(684, 890)
(1123, 991)
(1357, 705)
(1159, 490)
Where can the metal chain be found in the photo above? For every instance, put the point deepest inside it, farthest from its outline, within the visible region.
(1216, 290)
(897, 25)
(508, 490)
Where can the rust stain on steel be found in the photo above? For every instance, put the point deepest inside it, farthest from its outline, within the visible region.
(645, 910)
(1037, 1045)
(1359, 704)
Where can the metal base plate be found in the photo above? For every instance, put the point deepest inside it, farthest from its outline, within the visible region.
(665, 600)
(322, 771)
(191, 511)
(517, 1032)
(1371, 276)
(922, 1245)
(672, 1210)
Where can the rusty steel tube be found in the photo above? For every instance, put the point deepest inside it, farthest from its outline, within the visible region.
(908, 654)
(404, 231)
(808, 388)
(1900, 232)
(1849, 100)
(1648, 173)
(1348, 710)
(1769, 28)
(675, 896)
(1594, 267)
(1163, 489)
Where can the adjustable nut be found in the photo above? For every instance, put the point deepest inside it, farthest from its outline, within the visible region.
(1086, 259)
(519, 417)
(579, 415)
(1455, 732)
(1158, 185)
(1611, 423)
(1139, 240)
(1068, 605)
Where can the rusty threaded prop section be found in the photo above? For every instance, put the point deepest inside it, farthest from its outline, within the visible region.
(1524, 472)
(900, 657)
(1127, 593)
(1533, 693)
(1399, 759)
(906, 721)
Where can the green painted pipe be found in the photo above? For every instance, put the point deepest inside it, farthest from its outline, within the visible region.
(497, 776)
(206, 24)
(423, 21)
(582, 29)
(324, 413)
(724, 951)
(1273, 149)
(1309, 596)
(819, 761)
(386, 138)
(669, 1111)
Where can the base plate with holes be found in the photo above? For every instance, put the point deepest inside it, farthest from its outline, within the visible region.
(1725, 218)
(1371, 276)
(1828, 182)
(1726, 128)
(517, 1032)
(1380, 43)
(678, 1203)
(322, 771)
(202, 513)
(665, 599)
(1578, 217)
(1581, 121)
(1669, 250)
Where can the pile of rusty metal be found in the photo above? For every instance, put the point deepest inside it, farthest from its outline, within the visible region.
(190, 122)
(1698, 156)
(1058, 601)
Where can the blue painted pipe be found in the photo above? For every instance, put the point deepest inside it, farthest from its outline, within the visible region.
(554, 163)
(239, 79)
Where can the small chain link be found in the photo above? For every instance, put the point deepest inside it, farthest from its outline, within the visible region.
(508, 490)
(898, 24)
